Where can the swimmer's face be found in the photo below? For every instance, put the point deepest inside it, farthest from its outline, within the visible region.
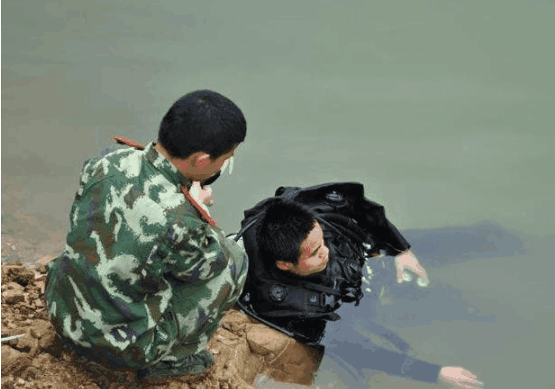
(314, 254)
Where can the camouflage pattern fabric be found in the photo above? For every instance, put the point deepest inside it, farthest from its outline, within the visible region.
(143, 280)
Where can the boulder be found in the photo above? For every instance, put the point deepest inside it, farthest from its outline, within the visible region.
(20, 274)
(244, 348)
(296, 363)
(266, 341)
(15, 287)
(235, 363)
(8, 356)
(12, 296)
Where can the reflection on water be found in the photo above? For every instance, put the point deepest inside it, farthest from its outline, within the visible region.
(459, 244)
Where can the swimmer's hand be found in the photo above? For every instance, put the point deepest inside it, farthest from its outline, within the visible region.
(457, 377)
(408, 261)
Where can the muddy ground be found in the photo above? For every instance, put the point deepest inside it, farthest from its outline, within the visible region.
(243, 348)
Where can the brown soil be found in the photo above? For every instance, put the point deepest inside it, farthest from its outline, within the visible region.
(242, 347)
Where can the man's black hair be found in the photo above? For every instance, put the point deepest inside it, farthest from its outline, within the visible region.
(284, 226)
(202, 121)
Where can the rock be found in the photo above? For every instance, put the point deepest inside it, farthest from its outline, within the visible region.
(4, 276)
(234, 358)
(27, 343)
(13, 361)
(42, 264)
(8, 354)
(26, 309)
(226, 337)
(235, 321)
(286, 360)
(40, 286)
(43, 359)
(264, 340)
(15, 286)
(245, 348)
(51, 343)
(31, 373)
(12, 296)
(7, 383)
(20, 274)
(296, 363)
(41, 327)
(44, 260)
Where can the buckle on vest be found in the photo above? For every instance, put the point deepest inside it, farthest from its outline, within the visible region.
(278, 293)
(327, 300)
(313, 299)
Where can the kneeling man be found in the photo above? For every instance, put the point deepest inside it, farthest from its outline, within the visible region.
(146, 274)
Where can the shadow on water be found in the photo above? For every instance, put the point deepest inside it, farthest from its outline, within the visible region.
(446, 246)
(412, 306)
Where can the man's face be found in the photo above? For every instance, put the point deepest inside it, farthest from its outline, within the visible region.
(215, 166)
(314, 255)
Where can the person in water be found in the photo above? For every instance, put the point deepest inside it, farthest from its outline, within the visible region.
(307, 248)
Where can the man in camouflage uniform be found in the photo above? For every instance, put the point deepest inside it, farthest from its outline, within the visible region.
(144, 279)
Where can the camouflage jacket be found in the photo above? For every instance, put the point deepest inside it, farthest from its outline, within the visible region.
(133, 242)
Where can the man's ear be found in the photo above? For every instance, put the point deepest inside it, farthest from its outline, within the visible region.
(200, 160)
(282, 265)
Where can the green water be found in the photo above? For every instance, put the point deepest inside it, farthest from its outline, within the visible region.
(444, 110)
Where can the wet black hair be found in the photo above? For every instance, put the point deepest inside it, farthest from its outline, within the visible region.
(281, 231)
(202, 121)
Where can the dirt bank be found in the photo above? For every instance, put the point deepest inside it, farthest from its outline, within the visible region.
(242, 347)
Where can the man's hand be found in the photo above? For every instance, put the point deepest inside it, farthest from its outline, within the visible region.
(457, 377)
(202, 194)
(208, 199)
(407, 260)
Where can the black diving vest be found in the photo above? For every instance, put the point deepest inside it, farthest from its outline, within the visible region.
(300, 306)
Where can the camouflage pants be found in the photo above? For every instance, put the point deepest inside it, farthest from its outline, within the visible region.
(193, 316)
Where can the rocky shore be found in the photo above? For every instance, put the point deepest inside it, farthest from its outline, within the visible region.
(33, 358)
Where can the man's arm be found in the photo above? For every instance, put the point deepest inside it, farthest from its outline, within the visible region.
(376, 224)
(366, 355)
(193, 251)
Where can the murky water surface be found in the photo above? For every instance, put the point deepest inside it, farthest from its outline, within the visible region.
(443, 110)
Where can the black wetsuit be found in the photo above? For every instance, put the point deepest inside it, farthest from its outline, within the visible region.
(355, 229)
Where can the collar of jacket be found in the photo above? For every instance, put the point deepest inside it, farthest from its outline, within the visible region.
(164, 166)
